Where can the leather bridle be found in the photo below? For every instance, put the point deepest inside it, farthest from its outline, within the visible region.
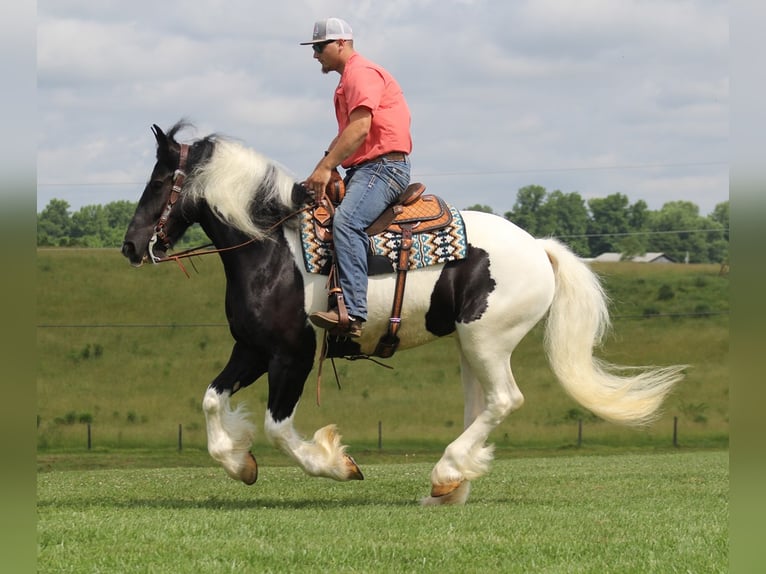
(179, 176)
(160, 234)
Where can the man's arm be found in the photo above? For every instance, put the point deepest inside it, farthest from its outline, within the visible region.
(342, 147)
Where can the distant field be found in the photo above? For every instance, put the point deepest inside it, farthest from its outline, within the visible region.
(130, 352)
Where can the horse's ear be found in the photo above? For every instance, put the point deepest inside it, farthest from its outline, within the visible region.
(159, 135)
(163, 144)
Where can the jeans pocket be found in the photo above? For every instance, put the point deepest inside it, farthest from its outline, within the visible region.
(398, 178)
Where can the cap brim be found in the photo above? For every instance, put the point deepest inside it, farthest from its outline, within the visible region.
(325, 40)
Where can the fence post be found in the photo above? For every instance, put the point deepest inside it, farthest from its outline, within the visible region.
(380, 435)
(675, 432)
(89, 437)
(579, 433)
(180, 437)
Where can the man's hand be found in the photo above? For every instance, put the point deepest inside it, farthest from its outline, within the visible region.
(318, 180)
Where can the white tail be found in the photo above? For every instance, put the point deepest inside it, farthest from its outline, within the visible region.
(577, 321)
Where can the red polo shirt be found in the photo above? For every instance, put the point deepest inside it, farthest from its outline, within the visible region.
(364, 83)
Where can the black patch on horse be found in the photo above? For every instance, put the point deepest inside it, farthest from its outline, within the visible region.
(461, 292)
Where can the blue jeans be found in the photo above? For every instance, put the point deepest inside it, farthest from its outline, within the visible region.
(370, 188)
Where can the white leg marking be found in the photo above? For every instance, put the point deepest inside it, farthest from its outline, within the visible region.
(324, 455)
(491, 394)
(229, 433)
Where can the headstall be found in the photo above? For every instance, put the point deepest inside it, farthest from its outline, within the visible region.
(178, 181)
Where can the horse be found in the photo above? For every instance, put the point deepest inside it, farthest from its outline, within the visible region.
(487, 301)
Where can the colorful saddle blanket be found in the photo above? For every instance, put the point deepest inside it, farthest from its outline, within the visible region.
(428, 248)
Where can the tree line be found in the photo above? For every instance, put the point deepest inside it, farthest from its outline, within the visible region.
(590, 228)
(613, 224)
(94, 225)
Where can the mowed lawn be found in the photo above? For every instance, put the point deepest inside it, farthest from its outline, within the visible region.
(622, 513)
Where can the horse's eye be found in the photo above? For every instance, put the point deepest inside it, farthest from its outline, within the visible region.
(156, 184)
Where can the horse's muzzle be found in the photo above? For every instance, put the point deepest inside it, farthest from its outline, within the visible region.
(131, 253)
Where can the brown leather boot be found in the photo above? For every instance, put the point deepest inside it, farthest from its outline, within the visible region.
(330, 320)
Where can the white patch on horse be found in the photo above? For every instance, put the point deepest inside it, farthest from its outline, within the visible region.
(235, 178)
(324, 455)
(229, 433)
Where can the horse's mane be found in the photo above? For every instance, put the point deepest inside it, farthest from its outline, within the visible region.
(242, 187)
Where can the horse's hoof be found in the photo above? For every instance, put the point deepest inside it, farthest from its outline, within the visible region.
(456, 496)
(250, 473)
(438, 490)
(354, 473)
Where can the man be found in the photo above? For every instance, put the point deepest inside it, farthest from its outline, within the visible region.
(373, 145)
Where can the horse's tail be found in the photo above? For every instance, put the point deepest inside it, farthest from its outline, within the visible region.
(577, 321)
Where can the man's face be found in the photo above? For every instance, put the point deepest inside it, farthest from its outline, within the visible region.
(328, 54)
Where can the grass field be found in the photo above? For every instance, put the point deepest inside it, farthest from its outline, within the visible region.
(631, 513)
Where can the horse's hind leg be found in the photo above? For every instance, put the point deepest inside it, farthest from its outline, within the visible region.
(491, 394)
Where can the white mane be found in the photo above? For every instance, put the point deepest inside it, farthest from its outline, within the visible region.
(233, 179)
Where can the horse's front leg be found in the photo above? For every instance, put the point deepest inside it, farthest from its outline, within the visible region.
(229, 431)
(323, 455)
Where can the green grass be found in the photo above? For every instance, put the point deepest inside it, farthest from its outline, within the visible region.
(639, 513)
(639, 289)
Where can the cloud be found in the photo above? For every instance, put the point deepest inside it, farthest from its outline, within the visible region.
(503, 94)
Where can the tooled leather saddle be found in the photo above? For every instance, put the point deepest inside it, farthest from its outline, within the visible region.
(412, 213)
(413, 209)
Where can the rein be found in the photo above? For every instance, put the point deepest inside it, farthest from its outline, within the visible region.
(203, 249)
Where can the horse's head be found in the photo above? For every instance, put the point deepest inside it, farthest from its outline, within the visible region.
(158, 222)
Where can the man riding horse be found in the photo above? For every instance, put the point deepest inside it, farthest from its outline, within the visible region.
(373, 145)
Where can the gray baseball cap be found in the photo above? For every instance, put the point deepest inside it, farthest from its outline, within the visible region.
(330, 29)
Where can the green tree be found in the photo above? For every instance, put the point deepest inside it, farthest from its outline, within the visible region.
(609, 223)
(635, 243)
(90, 226)
(638, 216)
(717, 245)
(118, 215)
(678, 232)
(565, 216)
(87, 226)
(721, 216)
(718, 240)
(54, 223)
(482, 208)
(527, 212)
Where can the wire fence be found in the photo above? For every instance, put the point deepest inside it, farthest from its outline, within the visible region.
(578, 436)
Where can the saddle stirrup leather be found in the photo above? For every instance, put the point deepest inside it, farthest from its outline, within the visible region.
(389, 342)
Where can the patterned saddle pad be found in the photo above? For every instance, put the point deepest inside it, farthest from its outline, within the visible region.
(428, 248)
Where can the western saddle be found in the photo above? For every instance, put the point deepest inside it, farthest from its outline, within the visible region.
(413, 212)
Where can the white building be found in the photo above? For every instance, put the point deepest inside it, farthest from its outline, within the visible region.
(652, 257)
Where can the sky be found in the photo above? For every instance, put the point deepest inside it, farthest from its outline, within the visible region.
(595, 96)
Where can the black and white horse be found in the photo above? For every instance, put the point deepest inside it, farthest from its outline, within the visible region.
(489, 300)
